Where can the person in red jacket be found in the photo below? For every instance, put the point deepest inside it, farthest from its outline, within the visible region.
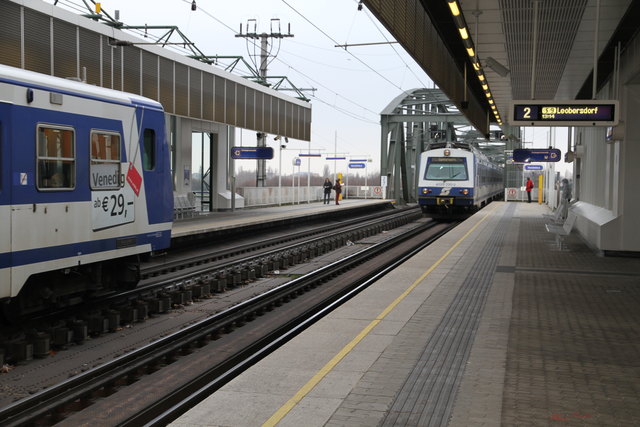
(529, 187)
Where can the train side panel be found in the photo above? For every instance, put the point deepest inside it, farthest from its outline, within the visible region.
(156, 167)
(489, 181)
(88, 179)
(5, 197)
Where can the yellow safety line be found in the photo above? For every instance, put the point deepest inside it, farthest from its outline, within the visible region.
(284, 409)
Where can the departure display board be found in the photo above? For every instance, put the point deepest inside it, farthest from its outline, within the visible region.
(565, 113)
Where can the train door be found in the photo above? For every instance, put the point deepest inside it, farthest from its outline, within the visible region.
(202, 176)
(5, 203)
(156, 168)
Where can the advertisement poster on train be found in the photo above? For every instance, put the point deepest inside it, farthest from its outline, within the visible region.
(112, 208)
(134, 179)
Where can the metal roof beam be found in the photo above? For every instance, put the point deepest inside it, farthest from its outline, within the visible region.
(410, 24)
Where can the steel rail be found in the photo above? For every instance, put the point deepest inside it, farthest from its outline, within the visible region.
(188, 275)
(220, 375)
(184, 276)
(270, 242)
(45, 402)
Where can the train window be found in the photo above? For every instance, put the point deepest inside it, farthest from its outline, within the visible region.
(56, 158)
(447, 169)
(149, 150)
(105, 161)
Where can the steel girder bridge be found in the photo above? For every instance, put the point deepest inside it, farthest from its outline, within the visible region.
(414, 120)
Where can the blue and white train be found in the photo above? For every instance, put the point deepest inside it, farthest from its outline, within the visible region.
(85, 187)
(457, 178)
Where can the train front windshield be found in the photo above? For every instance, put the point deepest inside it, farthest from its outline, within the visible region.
(447, 169)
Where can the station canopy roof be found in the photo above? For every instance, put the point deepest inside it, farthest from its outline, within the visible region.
(501, 34)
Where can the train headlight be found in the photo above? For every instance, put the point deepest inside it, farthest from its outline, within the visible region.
(465, 191)
(425, 191)
(447, 152)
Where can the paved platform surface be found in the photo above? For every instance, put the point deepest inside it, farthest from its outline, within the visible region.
(492, 325)
(224, 220)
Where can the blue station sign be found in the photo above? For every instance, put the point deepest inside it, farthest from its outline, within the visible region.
(533, 167)
(356, 165)
(524, 155)
(252, 153)
(309, 155)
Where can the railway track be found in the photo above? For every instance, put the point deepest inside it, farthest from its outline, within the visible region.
(295, 239)
(175, 279)
(216, 280)
(220, 346)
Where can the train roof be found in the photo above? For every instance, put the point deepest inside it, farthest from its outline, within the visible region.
(434, 149)
(450, 144)
(73, 87)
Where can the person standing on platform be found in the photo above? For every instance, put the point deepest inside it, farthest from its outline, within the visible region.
(529, 187)
(327, 190)
(338, 189)
(565, 188)
(565, 197)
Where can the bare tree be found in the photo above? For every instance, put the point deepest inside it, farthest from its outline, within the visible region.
(326, 172)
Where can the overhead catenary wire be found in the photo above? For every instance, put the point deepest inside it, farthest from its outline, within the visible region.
(353, 21)
(335, 107)
(393, 47)
(327, 64)
(350, 53)
(73, 6)
(344, 111)
(200, 9)
(332, 91)
(142, 33)
(333, 49)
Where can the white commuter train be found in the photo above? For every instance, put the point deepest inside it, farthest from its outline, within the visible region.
(85, 187)
(457, 178)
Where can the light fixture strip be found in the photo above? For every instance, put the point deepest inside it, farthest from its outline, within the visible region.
(468, 43)
(455, 10)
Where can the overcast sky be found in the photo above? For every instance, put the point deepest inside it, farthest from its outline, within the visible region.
(353, 85)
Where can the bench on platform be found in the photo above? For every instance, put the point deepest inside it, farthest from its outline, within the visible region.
(562, 231)
(182, 206)
(560, 214)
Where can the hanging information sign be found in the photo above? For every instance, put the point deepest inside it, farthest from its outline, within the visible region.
(565, 113)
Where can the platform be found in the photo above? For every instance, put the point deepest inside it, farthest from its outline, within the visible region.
(493, 324)
(251, 217)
